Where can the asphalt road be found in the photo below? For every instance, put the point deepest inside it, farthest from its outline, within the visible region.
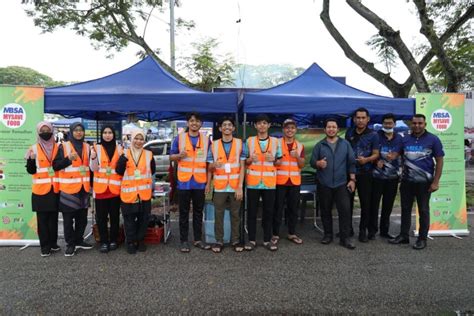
(375, 278)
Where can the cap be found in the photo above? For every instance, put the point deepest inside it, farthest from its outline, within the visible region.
(289, 121)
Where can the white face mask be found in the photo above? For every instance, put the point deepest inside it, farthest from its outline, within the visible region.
(387, 130)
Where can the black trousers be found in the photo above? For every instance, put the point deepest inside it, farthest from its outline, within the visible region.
(364, 190)
(341, 195)
(74, 223)
(290, 195)
(108, 210)
(408, 192)
(47, 229)
(185, 197)
(385, 190)
(135, 225)
(268, 207)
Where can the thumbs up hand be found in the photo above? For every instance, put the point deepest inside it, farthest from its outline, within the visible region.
(322, 163)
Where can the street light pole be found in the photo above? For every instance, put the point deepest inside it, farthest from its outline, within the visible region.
(172, 48)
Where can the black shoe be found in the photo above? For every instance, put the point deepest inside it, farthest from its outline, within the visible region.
(55, 248)
(45, 252)
(326, 240)
(387, 235)
(70, 251)
(84, 245)
(347, 243)
(141, 246)
(104, 248)
(363, 238)
(399, 240)
(131, 249)
(113, 246)
(371, 236)
(420, 244)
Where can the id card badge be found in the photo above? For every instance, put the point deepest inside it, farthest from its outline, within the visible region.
(108, 171)
(82, 170)
(50, 171)
(227, 167)
(200, 153)
(137, 174)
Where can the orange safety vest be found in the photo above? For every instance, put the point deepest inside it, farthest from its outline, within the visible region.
(289, 165)
(194, 165)
(77, 175)
(106, 177)
(221, 177)
(261, 170)
(45, 177)
(137, 180)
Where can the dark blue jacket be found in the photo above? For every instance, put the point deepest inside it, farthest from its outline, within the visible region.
(340, 163)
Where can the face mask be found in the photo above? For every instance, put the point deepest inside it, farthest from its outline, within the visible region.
(387, 130)
(45, 136)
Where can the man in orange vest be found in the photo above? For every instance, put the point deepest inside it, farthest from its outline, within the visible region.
(288, 181)
(264, 154)
(190, 150)
(227, 167)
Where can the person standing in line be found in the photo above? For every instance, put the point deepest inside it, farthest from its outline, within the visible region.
(386, 174)
(137, 167)
(190, 150)
(335, 163)
(264, 155)
(45, 187)
(422, 168)
(288, 182)
(72, 162)
(106, 186)
(365, 144)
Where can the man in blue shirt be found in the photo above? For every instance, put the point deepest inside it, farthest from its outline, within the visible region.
(386, 174)
(365, 144)
(189, 150)
(335, 162)
(420, 177)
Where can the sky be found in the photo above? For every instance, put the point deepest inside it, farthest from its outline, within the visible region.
(270, 32)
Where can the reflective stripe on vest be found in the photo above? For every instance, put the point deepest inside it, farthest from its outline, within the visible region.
(42, 182)
(70, 179)
(221, 178)
(102, 181)
(194, 165)
(288, 169)
(261, 171)
(134, 189)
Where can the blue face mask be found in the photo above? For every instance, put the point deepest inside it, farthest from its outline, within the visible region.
(387, 130)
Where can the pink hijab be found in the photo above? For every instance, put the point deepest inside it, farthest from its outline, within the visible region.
(47, 145)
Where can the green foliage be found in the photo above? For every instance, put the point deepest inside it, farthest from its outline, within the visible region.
(15, 75)
(206, 69)
(386, 53)
(265, 76)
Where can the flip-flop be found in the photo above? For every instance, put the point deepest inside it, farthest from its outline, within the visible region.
(238, 247)
(270, 246)
(185, 247)
(250, 246)
(199, 244)
(275, 240)
(296, 240)
(217, 248)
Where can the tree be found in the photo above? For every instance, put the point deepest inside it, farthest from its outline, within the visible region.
(206, 69)
(108, 24)
(459, 21)
(15, 75)
(265, 76)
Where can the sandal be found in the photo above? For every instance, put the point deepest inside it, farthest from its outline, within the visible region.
(199, 244)
(217, 247)
(275, 240)
(185, 247)
(238, 247)
(270, 246)
(250, 246)
(295, 239)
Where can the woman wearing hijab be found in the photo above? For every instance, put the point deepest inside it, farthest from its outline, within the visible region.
(45, 188)
(137, 167)
(72, 162)
(106, 185)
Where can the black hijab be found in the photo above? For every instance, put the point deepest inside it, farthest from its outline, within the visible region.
(77, 143)
(108, 146)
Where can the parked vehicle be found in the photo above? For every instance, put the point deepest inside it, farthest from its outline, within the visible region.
(161, 150)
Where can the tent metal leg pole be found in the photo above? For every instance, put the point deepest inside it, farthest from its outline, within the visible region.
(244, 217)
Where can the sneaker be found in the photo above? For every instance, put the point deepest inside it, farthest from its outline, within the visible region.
(70, 251)
(131, 248)
(46, 252)
(113, 246)
(104, 248)
(55, 248)
(84, 245)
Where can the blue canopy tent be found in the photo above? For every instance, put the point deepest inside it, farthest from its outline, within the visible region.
(144, 89)
(315, 95)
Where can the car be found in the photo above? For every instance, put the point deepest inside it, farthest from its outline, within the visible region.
(161, 153)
